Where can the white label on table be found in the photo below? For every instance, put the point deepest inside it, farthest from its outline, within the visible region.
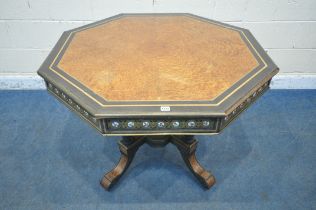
(165, 108)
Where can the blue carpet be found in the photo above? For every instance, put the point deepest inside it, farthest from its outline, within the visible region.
(51, 159)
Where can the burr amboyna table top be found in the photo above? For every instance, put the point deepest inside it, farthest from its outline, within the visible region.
(149, 67)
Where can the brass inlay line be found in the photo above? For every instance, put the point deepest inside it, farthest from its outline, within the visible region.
(156, 134)
(148, 105)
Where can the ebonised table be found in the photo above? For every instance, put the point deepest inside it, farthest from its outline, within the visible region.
(157, 79)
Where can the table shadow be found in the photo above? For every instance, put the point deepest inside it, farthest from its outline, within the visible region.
(158, 174)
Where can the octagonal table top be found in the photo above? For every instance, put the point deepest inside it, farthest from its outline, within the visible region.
(155, 65)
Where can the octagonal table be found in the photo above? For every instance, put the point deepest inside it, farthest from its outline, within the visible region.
(157, 78)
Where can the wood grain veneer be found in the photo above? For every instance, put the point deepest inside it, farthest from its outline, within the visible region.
(157, 58)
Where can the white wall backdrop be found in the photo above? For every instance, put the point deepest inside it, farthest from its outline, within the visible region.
(30, 28)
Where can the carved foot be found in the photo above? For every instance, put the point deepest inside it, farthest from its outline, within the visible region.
(128, 147)
(187, 147)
